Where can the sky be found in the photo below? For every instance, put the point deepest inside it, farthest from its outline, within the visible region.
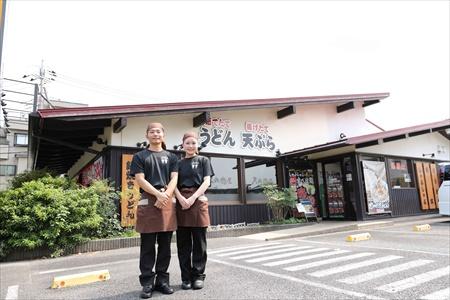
(135, 52)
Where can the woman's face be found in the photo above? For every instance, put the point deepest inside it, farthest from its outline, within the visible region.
(190, 146)
(155, 135)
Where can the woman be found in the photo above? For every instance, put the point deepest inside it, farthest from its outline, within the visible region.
(155, 171)
(194, 177)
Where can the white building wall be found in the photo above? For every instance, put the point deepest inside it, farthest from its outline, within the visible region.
(310, 125)
(414, 147)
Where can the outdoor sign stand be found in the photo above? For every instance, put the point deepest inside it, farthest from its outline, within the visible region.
(305, 207)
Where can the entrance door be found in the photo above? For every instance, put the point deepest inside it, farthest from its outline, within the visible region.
(334, 190)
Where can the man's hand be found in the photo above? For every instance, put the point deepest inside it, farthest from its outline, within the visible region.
(161, 200)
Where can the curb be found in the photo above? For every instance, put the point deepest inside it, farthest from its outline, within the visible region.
(318, 232)
(127, 242)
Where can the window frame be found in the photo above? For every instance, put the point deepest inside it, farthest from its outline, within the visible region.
(409, 169)
(241, 176)
(6, 174)
(16, 144)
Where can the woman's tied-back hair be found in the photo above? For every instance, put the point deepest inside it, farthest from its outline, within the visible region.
(190, 134)
(160, 126)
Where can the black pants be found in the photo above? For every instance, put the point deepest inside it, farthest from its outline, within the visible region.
(191, 244)
(147, 258)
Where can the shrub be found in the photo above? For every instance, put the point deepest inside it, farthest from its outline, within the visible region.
(280, 201)
(107, 205)
(27, 176)
(47, 212)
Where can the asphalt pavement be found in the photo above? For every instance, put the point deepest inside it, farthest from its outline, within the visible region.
(308, 262)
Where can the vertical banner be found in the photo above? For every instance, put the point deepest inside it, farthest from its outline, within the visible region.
(429, 185)
(434, 178)
(130, 194)
(421, 184)
(377, 191)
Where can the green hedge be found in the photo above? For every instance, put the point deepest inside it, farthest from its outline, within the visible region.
(55, 213)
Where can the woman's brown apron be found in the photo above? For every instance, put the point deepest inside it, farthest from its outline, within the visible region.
(152, 219)
(195, 216)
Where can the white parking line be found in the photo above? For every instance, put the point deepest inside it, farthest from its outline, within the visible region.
(294, 279)
(272, 257)
(255, 250)
(385, 271)
(371, 247)
(438, 295)
(89, 266)
(358, 265)
(295, 259)
(240, 248)
(328, 261)
(410, 282)
(268, 252)
(13, 292)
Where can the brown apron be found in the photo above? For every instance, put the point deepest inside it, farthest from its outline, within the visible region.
(152, 219)
(195, 216)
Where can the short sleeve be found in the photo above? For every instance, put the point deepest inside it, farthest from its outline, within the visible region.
(207, 167)
(173, 164)
(137, 165)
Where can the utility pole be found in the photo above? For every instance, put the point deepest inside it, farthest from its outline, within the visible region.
(40, 94)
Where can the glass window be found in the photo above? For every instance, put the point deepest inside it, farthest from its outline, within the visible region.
(7, 170)
(21, 139)
(400, 173)
(258, 172)
(224, 183)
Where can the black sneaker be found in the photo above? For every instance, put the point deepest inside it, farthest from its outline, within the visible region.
(164, 288)
(146, 292)
(186, 285)
(197, 284)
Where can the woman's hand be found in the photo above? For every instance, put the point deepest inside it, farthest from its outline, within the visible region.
(183, 202)
(191, 200)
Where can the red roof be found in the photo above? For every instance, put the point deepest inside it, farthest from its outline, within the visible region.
(140, 109)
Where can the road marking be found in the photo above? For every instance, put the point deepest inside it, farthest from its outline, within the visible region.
(328, 261)
(358, 265)
(294, 279)
(13, 292)
(385, 271)
(287, 261)
(89, 266)
(442, 294)
(371, 247)
(255, 250)
(414, 281)
(272, 257)
(268, 252)
(240, 248)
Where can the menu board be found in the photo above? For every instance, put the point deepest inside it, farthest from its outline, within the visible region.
(335, 194)
(429, 186)
(434, 178)
(377, 192)
(303, 183)
(422, 188)
(130, 194)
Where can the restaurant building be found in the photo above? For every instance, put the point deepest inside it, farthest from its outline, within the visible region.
(252, 143)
